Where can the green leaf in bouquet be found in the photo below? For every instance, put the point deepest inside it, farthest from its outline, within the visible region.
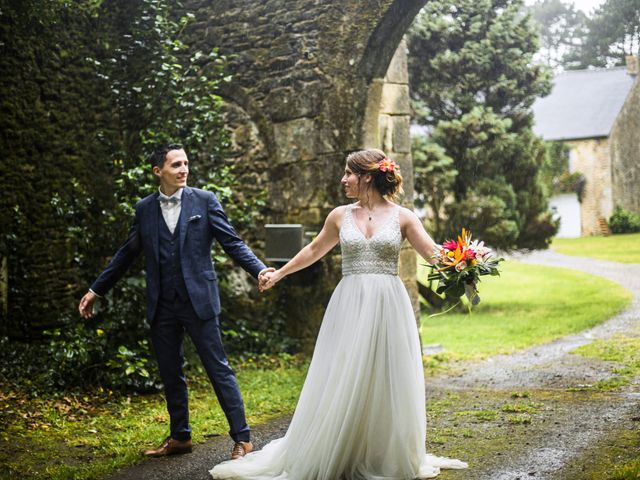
(434, 276)
(454, 290)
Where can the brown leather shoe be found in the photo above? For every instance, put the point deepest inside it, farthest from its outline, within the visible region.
(171, 446)
(240, 449)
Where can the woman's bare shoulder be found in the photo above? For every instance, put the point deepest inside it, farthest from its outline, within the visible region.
(407, 214)
(336, 215)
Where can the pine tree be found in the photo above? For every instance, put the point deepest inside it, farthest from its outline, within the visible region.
(473, 82)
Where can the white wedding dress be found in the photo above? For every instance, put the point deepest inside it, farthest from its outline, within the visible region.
(361, 412)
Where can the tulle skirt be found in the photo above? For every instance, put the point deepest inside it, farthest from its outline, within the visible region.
(361, 412)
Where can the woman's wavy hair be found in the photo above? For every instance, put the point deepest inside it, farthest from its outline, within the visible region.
(367, 162)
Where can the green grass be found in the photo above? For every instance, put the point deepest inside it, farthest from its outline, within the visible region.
(629, 470)
(526, 305)
(623, 351)
(623, 248)
(83, 437)
(529, 407)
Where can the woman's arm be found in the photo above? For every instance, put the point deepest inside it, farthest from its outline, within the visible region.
(413, 230)
(328, 237)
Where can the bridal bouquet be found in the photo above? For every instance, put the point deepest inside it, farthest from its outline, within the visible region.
(460, 264)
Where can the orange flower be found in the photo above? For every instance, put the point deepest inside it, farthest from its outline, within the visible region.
(450, 262)
(465, 238)
(387, 165)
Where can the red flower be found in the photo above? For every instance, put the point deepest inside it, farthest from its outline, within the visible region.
(387, 165)
(450, 245)
(469, 254)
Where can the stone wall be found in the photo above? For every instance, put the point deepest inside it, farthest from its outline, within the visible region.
(624, 149)
(308, 77)
(592, 158)
(386, 126)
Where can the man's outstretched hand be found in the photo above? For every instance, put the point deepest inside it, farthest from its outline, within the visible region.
(86, 305)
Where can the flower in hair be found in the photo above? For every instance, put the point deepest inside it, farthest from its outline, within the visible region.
(387, 165)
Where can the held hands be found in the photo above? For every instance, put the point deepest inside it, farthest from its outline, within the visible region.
(262, 278)
(86, 305)
(268, 279)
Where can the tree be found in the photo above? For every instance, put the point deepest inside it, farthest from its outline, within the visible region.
(474, 52)
(473, 82)
(613, 33)
(572, 40)
(562, 30)
(434, 173)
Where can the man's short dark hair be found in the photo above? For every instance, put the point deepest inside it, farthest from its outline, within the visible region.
(159, 155)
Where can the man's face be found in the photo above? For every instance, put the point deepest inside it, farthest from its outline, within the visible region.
(173, 174)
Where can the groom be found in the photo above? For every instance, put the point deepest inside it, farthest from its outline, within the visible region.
(175, 228)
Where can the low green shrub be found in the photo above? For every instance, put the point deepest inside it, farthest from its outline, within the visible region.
(624, 221)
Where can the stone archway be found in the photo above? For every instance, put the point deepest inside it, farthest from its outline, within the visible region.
(314, 80)
(386, 125)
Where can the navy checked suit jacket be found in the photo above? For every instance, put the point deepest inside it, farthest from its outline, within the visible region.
(202, 221)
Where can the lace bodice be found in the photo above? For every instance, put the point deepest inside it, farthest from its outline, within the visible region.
(378, 254)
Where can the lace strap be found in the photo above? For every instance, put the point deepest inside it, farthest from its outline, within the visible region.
(348, 216)
(396, 218)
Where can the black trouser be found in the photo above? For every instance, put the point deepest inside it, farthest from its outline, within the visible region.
(167, 335)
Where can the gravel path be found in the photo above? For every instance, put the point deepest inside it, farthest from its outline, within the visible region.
(550, 365)
(554, 448)
(568, 439)
(196, 465)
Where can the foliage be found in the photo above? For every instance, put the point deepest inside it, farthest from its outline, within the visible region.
(561, 28)
(63, 436)
(555, 171)
(471, 53)
(161, 91)
(473, 82)
(613, 33)
(53, 171)
(434, 176)
(82, 110)
(624, 221)
(570, 183)
(573, 40)
(557, 161)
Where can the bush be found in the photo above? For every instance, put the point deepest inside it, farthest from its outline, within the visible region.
(134, 83)
(570, 183)
(624, 221)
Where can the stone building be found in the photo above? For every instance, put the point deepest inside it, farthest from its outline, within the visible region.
(312, 81)
(597, 114)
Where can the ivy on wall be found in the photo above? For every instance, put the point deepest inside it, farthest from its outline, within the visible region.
(94, 86)
(52, 104)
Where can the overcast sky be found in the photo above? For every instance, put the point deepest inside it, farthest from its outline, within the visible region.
(587, 6)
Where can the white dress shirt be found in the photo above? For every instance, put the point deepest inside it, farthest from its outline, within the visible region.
(171, 210)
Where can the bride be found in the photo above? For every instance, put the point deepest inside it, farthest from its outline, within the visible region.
(361, 412)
